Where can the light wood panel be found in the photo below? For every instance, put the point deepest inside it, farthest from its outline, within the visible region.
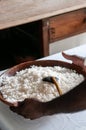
(16, 12)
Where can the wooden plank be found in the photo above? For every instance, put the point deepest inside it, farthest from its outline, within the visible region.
(66, 25)
(16, 12)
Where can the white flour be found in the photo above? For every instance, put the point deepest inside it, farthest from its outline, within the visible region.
(28, 83)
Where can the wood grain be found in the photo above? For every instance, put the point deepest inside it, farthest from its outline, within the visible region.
(17, 12)
(67, 24)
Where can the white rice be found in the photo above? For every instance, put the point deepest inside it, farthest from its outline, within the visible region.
(28, 83)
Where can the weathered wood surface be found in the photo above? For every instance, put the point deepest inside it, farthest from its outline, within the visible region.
(16, 12)
(66, 25)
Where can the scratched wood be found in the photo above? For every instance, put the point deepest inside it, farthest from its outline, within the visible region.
(16, 12)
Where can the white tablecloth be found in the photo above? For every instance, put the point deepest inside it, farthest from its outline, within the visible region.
(75, 121)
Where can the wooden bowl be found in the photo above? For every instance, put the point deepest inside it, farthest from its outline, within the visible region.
(12, 71)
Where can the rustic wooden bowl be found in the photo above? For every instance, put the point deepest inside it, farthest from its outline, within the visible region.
(14, 69)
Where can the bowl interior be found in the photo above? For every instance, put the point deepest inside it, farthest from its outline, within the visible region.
(12, 71)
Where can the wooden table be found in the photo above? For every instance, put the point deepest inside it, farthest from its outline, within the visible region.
(58, 19)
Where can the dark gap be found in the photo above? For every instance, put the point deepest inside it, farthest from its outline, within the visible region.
(19, 44)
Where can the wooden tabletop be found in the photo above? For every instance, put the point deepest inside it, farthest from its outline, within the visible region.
(17, 12)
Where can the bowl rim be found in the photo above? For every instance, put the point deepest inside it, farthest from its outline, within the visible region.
(12, 71)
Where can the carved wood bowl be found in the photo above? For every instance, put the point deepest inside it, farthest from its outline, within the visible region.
(11, 71)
